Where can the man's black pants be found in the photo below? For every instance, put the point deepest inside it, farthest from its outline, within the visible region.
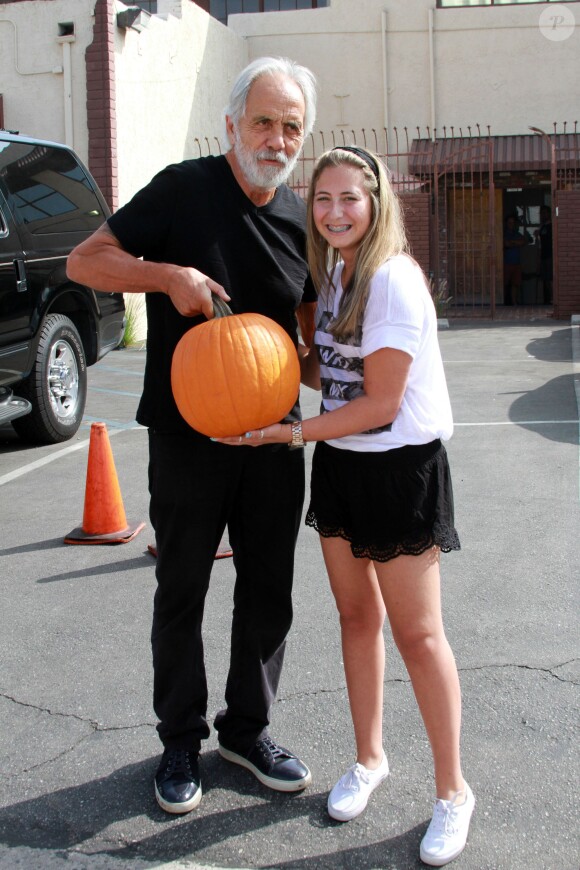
(198, 487)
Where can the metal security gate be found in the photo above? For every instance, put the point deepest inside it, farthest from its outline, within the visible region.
(465, 260)
(466, 255)
(454, 210)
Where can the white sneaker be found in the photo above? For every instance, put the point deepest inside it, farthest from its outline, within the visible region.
(446, 835)
(351, 793)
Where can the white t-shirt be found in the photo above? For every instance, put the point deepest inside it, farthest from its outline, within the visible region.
(399, 314)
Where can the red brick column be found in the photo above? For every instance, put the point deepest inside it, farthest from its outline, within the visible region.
(101, 114)
(567, 294)
(416, 212)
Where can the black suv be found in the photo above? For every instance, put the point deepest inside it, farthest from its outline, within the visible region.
(51, 329)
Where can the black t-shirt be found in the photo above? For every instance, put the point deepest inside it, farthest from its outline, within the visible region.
(195, 214)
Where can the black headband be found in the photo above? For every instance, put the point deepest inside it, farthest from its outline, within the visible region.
(364, 155)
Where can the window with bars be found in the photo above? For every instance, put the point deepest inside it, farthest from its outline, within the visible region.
(220, 9)
(147, 5)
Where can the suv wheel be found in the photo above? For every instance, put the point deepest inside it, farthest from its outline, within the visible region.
(57, 385)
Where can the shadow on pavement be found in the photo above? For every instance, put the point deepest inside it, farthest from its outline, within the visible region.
(70, 818)
(115, 567)
(552, 348)
(549, 403)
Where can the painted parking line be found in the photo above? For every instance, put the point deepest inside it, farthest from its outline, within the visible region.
(115, 427)
(115, 392)
(110, 424)
(59, 454)
(136, 374)
(522, 423)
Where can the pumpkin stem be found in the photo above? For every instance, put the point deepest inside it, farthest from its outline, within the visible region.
(220, 308)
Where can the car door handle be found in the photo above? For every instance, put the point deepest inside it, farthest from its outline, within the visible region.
(21, 282)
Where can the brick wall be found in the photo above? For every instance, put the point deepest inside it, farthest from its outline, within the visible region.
(101, 115)
(416, 211)
(567, 294)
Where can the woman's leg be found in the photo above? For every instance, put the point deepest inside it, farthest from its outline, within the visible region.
(362, 614)
(411, 591)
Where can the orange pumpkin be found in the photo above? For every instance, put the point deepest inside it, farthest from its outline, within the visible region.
(234, 373)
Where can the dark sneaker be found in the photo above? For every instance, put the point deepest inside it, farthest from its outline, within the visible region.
(177, 781)
(273, 765)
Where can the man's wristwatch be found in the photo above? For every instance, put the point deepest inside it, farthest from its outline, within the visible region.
(297, 439)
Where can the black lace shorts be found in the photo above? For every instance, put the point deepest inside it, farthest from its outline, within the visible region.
(388, 504)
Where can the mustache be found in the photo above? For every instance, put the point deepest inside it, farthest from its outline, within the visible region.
(277, 156)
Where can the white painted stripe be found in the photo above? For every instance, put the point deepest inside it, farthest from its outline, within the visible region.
(46, 460)
(115, 392)
(32, 466)
(115, 428)
(521, 423)
(110, 424)
(106, 368)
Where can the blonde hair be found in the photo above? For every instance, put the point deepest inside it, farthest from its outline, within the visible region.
(385, 237)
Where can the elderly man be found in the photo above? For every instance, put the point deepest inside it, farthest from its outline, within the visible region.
(228, 226)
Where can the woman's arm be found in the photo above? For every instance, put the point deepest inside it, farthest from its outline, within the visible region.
(385, 381)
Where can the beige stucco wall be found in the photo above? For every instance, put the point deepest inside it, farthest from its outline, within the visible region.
(172, 82)
(32, 75)
(493, 66)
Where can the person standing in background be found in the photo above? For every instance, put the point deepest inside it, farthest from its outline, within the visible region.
(513, 242)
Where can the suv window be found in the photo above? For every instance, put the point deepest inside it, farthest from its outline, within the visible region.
(47, 189)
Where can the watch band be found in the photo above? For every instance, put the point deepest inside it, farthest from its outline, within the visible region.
(297, 438)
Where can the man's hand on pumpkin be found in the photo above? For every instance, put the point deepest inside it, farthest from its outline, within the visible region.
(191, 291)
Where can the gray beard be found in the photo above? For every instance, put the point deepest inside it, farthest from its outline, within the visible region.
(263, 177)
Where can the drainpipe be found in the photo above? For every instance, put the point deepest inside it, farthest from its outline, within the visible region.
(432, 73)
(67, 85)
(385, 71)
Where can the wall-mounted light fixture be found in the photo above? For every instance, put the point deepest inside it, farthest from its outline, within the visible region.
(133, 17)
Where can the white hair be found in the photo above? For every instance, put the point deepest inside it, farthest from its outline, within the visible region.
(272, 66)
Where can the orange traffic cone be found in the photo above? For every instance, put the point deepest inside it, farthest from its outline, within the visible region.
(104, 520)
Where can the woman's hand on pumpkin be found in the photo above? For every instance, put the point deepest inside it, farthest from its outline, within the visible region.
(278, 433)
(191, 291)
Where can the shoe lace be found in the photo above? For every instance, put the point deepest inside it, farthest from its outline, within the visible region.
(179, 760)
(444, 821)
(353, 777)
(271, 749)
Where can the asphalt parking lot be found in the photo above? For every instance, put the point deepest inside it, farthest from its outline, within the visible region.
(78, 747)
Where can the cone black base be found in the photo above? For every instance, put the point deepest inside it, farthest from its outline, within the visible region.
(123, 536)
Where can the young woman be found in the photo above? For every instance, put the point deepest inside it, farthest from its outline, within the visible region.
(381, 495)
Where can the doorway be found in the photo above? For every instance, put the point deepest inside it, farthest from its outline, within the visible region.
(525, 204)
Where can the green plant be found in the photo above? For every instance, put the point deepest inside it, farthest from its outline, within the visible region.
(440, 296)
(134, 315)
